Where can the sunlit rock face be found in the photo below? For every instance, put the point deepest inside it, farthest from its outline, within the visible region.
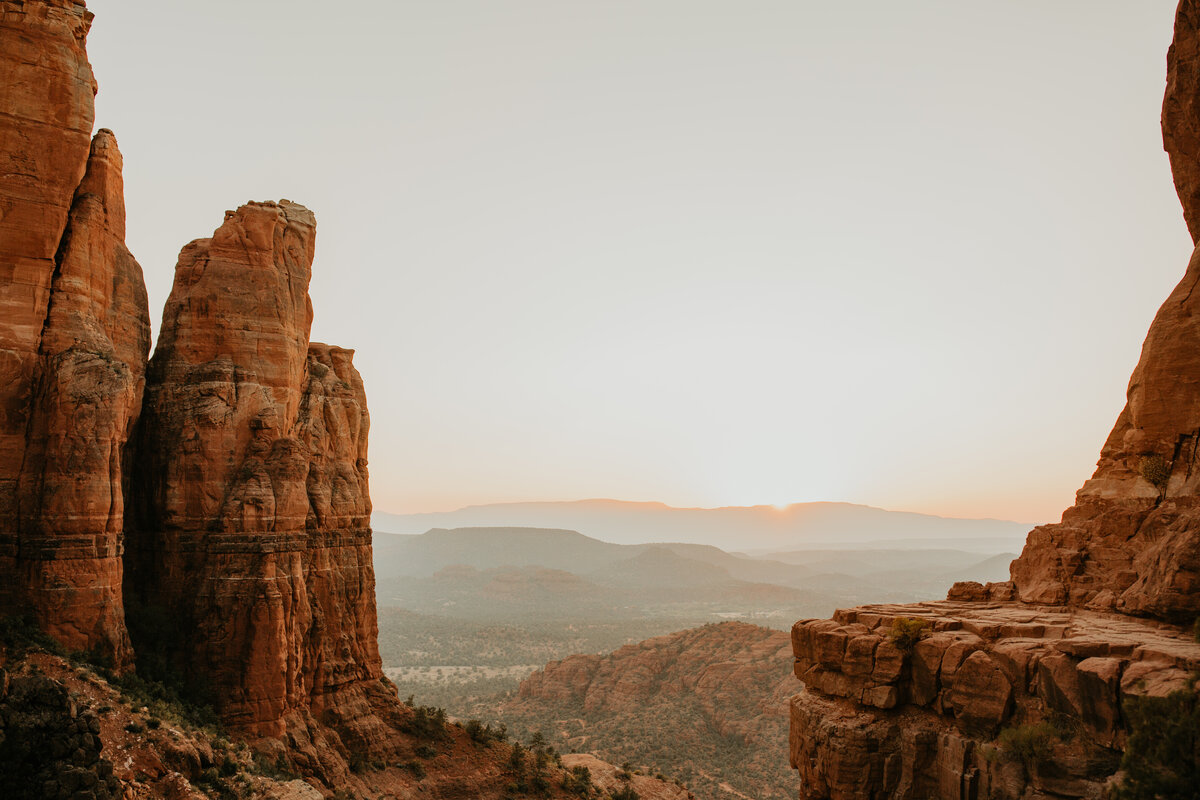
(74, 336)
(1131, 542)
(250, 516)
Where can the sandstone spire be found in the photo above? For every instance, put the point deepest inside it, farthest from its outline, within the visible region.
(249, 526)
(74, 335)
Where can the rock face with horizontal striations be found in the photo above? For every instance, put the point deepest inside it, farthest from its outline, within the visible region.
(249, 536)
(74, 336)
(881, 719)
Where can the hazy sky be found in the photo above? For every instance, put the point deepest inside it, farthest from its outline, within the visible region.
(707, 253)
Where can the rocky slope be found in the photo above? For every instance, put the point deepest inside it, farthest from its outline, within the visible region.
(706, 705)
(73, 730)
(1025, 688)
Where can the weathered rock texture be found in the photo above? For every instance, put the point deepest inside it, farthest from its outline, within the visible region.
(706, 705)
(249, 529)
(74, 336)
(1090, 617)
(49, 746)
(1181, 112)
(878, 721)
(1131, 542)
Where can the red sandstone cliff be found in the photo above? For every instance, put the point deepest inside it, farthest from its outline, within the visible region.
(1085, 624)
(1131, 542)
(74, 335)
(249, 529)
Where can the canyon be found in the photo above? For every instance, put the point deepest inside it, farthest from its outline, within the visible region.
(919, 700)
(201, 517)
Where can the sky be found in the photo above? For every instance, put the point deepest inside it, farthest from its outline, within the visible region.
(704, 253)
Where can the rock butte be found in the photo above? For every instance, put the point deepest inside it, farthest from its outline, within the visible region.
(1091, 616)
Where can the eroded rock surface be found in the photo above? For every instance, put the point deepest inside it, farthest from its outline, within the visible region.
(74, 336)
(876, 720)
(1131, 542)
(1181, 112)
(707, 705)
(251, 516)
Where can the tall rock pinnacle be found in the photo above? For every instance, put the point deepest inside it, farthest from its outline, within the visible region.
(74, 335)
(250, 519)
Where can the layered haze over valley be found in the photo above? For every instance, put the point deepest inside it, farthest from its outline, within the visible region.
(545, 617)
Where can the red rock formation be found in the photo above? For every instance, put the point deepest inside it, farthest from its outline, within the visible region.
(74, 335)
(1181, 112)
(1131, 542)
(875, 721)
(250, 522)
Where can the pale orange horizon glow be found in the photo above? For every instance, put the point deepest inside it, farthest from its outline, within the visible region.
(696, 252)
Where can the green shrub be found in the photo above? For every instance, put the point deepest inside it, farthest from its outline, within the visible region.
(578, 781)
(416, 768)
(1162, 754)
(906, 632)
(1028, 744)
(427, 724)
(279, 769)
(625, 793)
(1155, 469)
(20, 634)
(165, 702)
(485, 734)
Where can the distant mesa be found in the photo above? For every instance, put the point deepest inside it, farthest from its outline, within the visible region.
(744, 528)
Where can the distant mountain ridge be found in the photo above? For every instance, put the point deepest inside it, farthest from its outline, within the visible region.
(548, 572)
(742, 528)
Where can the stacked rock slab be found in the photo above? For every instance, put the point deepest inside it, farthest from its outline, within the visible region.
(877, 720)
(249, 546)
(1095, 612)
(74, 336)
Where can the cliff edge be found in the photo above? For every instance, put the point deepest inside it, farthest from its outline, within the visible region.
(1023, 689)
